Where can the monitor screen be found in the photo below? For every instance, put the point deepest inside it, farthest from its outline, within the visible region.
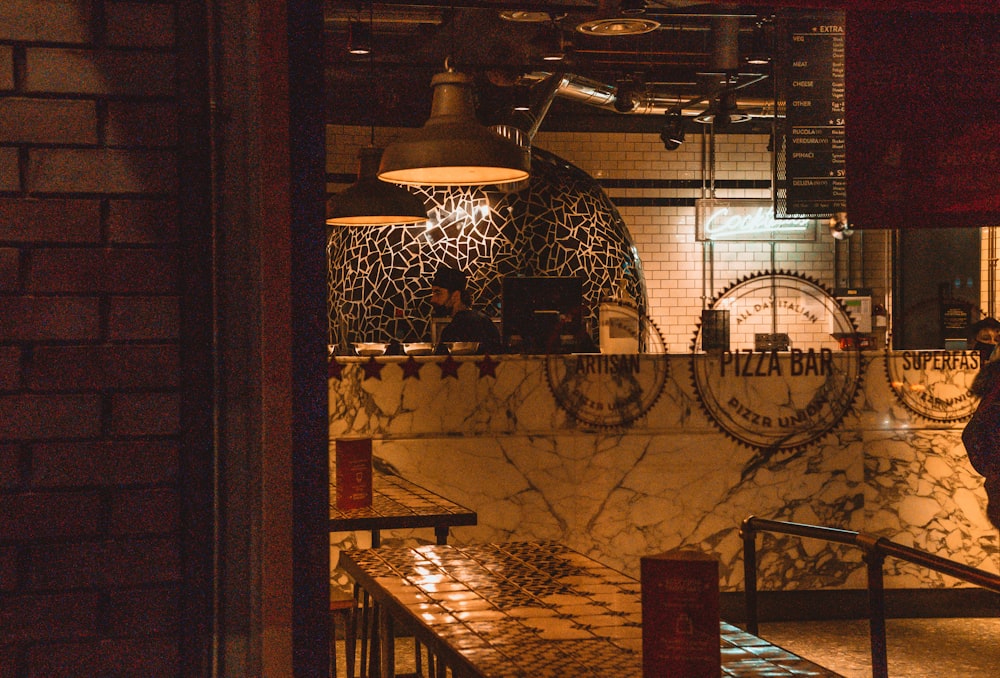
(543, 315)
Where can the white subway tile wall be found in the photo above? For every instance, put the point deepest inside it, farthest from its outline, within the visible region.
(683, 275)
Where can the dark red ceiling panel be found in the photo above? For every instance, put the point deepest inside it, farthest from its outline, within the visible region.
(922, 119)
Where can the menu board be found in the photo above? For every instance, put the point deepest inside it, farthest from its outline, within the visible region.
(813, 69)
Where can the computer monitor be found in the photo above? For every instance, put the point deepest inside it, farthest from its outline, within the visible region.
(543, 315)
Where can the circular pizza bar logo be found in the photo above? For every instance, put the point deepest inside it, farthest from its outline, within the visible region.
(935, 384)
(770, 370)
(611, 389)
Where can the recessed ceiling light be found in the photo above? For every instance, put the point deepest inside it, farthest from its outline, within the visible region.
(618, 26)
(709, 117)
(632, 7)
(528, 17)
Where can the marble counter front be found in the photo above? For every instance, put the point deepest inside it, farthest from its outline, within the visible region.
(491, 434)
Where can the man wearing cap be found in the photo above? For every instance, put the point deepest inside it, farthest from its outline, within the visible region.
(449, 297)
(983, 337)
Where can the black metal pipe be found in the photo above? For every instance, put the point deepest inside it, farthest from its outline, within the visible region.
(986, 580)
(750, 574)
(875, 551)
(876, 606)
(802, 530)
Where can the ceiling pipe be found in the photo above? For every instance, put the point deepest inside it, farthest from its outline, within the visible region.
(548, 90)
(724, 62)
(602, 95)
(726, 37)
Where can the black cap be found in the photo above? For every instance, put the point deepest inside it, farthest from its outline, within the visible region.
(449, 278)
(984, 324)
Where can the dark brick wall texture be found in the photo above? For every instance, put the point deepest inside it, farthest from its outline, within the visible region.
(90, 325)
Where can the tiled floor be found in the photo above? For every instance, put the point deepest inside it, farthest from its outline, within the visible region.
(917, 648)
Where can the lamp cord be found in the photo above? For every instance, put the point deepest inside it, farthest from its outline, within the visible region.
(451, 40)
(371, 71)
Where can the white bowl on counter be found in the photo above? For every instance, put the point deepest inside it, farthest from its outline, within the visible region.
(369, 348)
(418, 348)
(462, 347)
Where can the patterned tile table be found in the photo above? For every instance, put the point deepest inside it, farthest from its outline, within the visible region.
(396, 504)
(535, 609)
(399, 504)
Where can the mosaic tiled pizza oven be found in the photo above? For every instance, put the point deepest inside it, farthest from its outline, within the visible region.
(561, 223)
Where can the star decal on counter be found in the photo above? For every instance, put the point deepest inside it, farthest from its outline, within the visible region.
(411, 368)
(373, 370)
(487, 367)
(335, 370)
(449, 367)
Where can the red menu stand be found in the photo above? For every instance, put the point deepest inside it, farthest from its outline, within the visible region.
(680, 615)
(354, 473)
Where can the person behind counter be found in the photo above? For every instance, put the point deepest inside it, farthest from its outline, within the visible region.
(449, 296)
(983, 337)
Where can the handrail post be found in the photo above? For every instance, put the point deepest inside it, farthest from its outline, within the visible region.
(749, 537)
(875, 559)
(875, 551)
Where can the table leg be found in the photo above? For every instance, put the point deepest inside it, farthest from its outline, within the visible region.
(387, 645)
(366, 612)
(441, 532)
(376, 539)
(351, 634)
(374, 656)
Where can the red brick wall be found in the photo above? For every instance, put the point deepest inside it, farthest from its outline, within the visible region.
(91, 553)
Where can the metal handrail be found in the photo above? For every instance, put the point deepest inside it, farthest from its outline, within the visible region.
(875, 551)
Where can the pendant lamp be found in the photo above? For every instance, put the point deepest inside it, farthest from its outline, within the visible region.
(369, 201)
(452, 148)
(372, 202)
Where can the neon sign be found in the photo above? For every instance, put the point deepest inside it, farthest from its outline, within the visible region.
(748, 219)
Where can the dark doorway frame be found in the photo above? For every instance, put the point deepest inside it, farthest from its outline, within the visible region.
(255, 476)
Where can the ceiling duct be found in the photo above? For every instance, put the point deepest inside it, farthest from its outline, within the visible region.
(530, 118)
(723, 78)
(726, 44)
(691, 60)
(601, 95)
(719, 84)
